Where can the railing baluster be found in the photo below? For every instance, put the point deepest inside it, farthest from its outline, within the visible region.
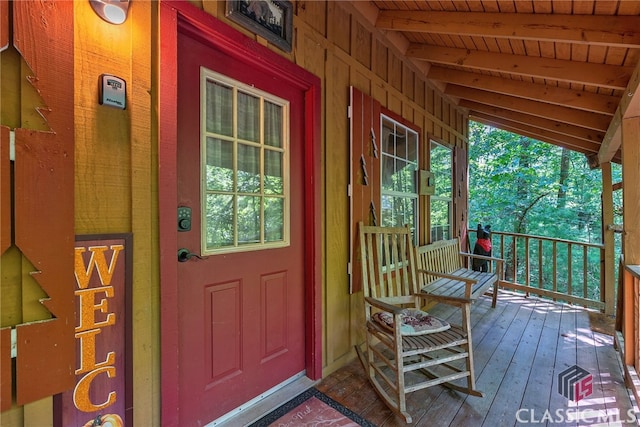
(570, 269)
(527, 270)
(585, 275)
(502, 255)
(540, 270)
(554, 256)
(602, 276)
(514, 251)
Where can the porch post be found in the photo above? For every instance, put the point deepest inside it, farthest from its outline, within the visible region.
(631, 191)
(631, 235)
(608, 237)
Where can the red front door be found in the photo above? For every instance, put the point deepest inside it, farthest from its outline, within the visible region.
(240, 171)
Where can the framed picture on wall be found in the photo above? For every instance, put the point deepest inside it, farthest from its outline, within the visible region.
(271, 19)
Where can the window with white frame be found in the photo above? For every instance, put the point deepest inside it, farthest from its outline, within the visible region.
(399, 165)
(441, 202)
(245, 167)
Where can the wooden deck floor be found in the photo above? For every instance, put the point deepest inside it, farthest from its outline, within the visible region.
(520, 347)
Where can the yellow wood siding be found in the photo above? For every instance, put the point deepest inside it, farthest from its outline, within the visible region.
(355, 55)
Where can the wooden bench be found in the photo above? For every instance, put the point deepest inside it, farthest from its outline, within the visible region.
(444, 274)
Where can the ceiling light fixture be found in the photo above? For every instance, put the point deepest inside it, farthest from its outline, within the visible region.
(112, 11)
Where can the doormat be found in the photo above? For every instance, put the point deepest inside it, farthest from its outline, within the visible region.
(312, 408)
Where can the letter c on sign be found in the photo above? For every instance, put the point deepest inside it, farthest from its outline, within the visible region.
(81, 391)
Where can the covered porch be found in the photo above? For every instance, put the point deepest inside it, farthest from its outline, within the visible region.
(520, 347)
(551, 70)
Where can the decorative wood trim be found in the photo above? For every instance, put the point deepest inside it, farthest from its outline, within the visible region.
(4, 24)
(5, 191)
(6, 380)
(364, 174)
(167, 196)
(44, 182)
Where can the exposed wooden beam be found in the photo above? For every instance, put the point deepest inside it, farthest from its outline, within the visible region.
(629, 107)
(588, 73)
(612, 140)
(580, 118)
(588, 101)
(630, 102)
(580, 146)
(621, 31)
(535, 121)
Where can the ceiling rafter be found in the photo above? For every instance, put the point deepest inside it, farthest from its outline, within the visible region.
(587, 73)
(588, 101)
(620, 31)
(572, 116)
(535, 121)
(579, 145)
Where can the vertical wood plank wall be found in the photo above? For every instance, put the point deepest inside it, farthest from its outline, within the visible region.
(117, 174)
(355, 55)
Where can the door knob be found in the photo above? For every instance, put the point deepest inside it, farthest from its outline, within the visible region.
(185, 255)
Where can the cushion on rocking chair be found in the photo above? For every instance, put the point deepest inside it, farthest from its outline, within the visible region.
(414, 322)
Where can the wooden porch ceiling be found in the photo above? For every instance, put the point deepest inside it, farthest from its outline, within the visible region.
(564, 72)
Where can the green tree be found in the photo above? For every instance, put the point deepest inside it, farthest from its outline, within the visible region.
(524, 186)
(521, 185)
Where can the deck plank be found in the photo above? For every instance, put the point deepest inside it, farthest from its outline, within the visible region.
(510, 394)
(539, 386)
(499, 347)
(520, 347)
(566, 357)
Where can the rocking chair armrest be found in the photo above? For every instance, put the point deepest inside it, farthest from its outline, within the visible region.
(383, 305)
(448, 276)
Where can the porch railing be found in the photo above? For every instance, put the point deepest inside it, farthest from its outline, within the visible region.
(628, 324)
(561, 270)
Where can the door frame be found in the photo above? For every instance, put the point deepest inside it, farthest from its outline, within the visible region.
(175, 16)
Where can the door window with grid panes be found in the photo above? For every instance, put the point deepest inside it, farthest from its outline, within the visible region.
(245, 167)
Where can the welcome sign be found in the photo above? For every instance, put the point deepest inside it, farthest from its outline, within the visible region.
(102, 393)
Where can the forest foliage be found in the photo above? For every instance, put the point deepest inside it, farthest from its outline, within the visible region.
(524, 186)
(521, 185)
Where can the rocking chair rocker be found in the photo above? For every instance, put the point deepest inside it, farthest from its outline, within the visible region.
(407, 349)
